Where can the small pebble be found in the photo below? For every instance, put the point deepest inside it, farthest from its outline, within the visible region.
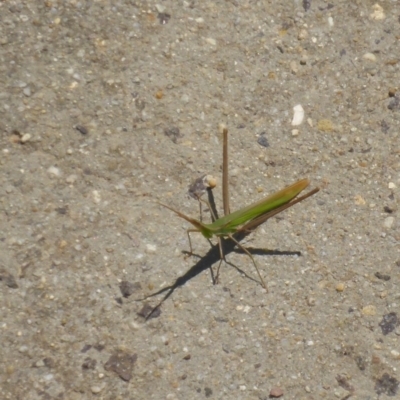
(311, 301)
(39, 364)
(388, 223)
(298, 115)
(160, 8)
(340, 287)
(275, 392)
(96, 196)
(210, 181)
(294, 67)
(303, 34)
(369, 57)
(359, 200)
(27, 91)
(325, 125)
(23, 349)
(81, 129)
(377, 13)
(211, 41)
(306, 4)
(96, 389)
(163, 18)
(391, 185)
(151, 248)
(26, 137)
(71, 178)
(262, 140)
(395, 354)
(54, 171)
(185, 98)
(369, 310)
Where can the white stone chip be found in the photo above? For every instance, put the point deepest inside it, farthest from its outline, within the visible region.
(298, 115)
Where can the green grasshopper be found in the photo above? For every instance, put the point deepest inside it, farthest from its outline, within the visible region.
(248, 218)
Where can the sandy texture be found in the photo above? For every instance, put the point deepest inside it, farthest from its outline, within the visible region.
(109, 106)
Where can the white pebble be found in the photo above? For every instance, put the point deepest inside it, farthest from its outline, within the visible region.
(211, 41)
(391, 185)
(330, 21)
(96, 196)
(378, 13)
(303, 34)
(298, 115)
(294, 67)
(96, 389)
(54, 171)
(369, 57)
(151, 248)
(395, 353)
(26, 137)
(388, 223)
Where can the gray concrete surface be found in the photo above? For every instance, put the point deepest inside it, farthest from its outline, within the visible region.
(109, 106)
